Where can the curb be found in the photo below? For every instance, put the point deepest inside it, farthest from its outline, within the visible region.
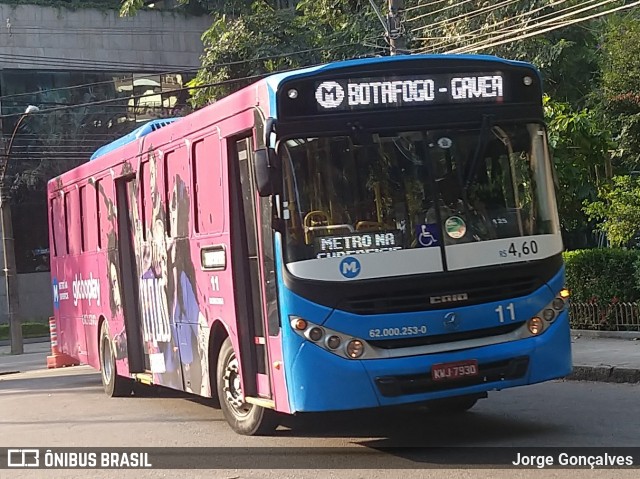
(42, 339)
(604, 374)
(587, 333)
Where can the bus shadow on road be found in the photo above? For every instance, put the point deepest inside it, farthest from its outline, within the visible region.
(417, 427)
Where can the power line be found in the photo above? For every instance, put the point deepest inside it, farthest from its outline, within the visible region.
(528, 14)
(423, 5)
(177, 90)
(218, 65)
(466, 16)
(443, 9)
(538, 32)
(66, 62)
(514, 30)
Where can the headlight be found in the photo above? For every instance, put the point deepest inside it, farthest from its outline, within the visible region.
(355, 348)
(333, 342)
(315, 334)
(535, 325)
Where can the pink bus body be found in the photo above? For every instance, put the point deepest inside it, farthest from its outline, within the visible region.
(175, 206)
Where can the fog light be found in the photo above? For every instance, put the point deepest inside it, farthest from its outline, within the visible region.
(557, 304)
(315, 334)
(535, 325)
(548, 314)
(355, 348)
(299, 324)
(333, 342)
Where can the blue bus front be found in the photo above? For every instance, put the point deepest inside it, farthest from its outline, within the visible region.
(418, 250)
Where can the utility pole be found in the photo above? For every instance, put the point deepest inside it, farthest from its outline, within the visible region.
(397, 39)
(8, 250)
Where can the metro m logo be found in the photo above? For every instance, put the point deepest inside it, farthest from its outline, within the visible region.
(329, 94)
(350, 267)
(56, 294)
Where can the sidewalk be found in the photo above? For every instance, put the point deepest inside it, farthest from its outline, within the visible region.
(34, 358)
(594, 358)
(605, 359)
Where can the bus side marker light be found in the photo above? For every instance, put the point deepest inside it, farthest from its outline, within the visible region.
(333, 342)
(557, 304)
(549, 314)
(535, 325)
(315, 334)
(299, 324)
(564, 293)
(214, 258)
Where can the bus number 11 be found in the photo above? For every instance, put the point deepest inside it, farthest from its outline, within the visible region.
(512, 312)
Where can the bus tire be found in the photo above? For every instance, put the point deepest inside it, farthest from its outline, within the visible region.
(452, 405)
(114, 385)
(246, 419)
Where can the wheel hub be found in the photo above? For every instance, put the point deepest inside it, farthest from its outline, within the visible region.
(232, 387)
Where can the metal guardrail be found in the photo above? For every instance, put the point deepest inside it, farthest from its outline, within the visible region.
(615, 316)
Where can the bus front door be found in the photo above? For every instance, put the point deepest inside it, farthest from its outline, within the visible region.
(138, 361)
(253, 271)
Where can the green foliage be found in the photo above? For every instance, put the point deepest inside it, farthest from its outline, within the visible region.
(568, 57)
(617, 209)
(603, 275)
(29, 330)
(249, 39)
(580, 147)
(621, 84)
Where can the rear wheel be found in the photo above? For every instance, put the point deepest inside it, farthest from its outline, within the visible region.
(244, 418)
(113, 384)
(452, 405)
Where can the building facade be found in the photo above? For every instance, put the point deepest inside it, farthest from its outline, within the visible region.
(93, 76)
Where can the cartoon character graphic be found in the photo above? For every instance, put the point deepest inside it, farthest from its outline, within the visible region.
(194, 330)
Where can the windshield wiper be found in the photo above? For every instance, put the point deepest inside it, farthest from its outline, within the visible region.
(487, 123)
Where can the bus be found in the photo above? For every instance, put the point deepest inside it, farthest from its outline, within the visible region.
(366, 233)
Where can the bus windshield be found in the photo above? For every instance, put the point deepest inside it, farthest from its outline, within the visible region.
(382, 192)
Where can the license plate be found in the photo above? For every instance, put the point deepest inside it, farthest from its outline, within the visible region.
(455, 370)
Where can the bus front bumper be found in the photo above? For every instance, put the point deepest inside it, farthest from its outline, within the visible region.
(322, 381)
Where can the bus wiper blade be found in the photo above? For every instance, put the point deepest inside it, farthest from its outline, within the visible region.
(487, 123)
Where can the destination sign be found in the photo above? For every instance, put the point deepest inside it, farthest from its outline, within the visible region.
(356, 243)
(374, 93)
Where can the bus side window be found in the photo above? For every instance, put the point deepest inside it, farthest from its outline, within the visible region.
(146, 204)
(89, 213)
(207, 185)
(59, 226)
(177, 185)
(102, 211)
(72, 214)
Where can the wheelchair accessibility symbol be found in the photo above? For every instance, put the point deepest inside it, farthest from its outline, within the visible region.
(428, 235)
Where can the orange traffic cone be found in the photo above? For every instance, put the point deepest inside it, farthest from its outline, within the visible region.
(58, 359)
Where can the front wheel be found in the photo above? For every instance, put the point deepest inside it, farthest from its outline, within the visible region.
(244, 418)
(113, 384)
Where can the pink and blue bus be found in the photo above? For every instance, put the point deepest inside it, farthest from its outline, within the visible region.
(362, 234)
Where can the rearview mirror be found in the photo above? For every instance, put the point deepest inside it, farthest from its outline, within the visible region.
(266, 171)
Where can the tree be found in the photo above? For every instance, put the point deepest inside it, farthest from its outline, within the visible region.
(248, 39)
(580, 149)
(621, 85)
(618, 209)
(567, 57)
